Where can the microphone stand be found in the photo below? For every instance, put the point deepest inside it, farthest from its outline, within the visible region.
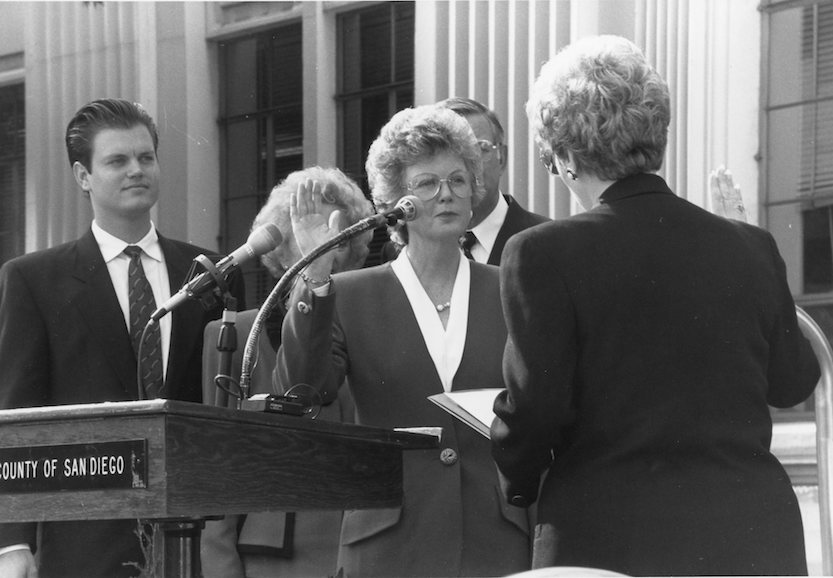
(226, 345)
(284, 282)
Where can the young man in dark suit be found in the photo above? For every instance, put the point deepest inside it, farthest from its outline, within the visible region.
(65, 315)
(498, 216)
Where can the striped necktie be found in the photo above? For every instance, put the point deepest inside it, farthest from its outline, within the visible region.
(142, 306)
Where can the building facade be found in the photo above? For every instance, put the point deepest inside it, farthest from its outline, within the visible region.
(245, 92)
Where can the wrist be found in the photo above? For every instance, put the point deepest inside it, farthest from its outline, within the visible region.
(314, 282)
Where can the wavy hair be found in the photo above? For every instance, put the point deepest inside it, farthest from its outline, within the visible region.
(410, 136)
(339, 190)
(601, 100)
(95, 116)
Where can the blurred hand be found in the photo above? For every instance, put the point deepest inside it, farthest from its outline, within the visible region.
(313, 226)
(725, 195)
(18, 564)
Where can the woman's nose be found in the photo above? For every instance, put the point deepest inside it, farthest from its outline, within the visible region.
(445, 190)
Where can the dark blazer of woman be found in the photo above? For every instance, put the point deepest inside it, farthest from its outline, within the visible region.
(647, 340)
(452, 521)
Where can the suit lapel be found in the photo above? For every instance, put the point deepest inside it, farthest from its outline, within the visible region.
(186, 320)
(506, 230)
(96, 300)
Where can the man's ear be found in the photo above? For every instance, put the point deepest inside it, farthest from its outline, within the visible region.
(503, 151)
(82, 176)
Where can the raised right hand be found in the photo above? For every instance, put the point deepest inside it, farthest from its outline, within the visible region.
(312, 225)
(725, 195)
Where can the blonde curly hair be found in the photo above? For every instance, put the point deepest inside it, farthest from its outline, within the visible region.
(409, 136)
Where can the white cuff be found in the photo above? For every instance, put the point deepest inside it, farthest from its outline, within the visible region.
(8, 549)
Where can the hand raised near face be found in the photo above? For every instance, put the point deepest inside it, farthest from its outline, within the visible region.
(313, 222)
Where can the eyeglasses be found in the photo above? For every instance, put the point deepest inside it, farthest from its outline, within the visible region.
(487, 146)
(549, 162)
(427, 186)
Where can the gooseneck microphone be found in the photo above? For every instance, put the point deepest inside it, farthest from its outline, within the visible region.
(261, 241)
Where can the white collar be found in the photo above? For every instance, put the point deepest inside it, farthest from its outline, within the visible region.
(111, 246)
(487, 230)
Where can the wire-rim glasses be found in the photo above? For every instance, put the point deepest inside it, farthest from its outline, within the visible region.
(427, 186)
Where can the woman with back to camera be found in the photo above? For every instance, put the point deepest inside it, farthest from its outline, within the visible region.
(426, 322)
(647, 339)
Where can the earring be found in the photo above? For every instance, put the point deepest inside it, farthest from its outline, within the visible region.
(571, 174)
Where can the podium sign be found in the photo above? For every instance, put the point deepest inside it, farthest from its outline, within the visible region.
(163, 459)
(89, 466)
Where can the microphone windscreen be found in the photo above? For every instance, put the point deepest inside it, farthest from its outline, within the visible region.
(264, 238)
(411, 207)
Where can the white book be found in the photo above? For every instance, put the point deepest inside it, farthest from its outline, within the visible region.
(471, 406)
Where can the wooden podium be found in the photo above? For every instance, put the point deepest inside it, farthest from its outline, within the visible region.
(178, 463)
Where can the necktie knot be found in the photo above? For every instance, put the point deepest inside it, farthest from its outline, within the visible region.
(133, 251)
(467, 241)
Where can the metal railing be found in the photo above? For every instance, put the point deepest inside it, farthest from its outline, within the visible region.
(824, 432)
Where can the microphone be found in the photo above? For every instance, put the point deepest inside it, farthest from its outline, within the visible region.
(261, 241)
(406, 209)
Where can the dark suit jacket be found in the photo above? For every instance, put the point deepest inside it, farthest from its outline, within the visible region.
(452, 522)
(63, 340)
(646, 339)
(517, 219)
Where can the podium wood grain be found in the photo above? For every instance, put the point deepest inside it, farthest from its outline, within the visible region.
(205, 461)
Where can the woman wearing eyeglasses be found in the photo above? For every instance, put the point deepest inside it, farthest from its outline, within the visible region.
(429, 321)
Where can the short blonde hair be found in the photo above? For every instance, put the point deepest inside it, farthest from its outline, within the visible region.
(409, 136)
(601, 100)
(338, 189)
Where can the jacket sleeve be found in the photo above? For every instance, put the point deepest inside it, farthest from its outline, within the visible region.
(538, 368)
(793, 369)
(312, 348)
(24, 343)
(24, 350)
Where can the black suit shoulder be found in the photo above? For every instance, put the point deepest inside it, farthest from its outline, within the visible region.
(518, 218)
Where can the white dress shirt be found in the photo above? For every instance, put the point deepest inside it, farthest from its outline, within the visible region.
(153, 262)
(445, 344)
(487, 231)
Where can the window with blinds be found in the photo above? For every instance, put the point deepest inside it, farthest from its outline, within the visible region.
(376, 79)
(798, 151)
(12, 171)
(262, 127)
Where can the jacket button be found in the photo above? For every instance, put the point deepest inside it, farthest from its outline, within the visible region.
(304, 307)
(448, 457)
(519, 501)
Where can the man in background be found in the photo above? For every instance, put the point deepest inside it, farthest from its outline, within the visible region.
(498, 216)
